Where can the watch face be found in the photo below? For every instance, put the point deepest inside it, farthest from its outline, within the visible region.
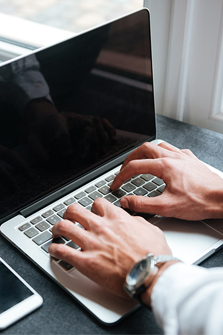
(139, 272)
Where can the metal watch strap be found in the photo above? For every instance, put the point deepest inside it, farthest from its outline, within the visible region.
(156, 260)
(164, 258)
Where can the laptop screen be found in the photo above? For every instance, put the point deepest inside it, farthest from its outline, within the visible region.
(69, 108)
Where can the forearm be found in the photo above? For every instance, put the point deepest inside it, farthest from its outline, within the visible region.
(188, 300)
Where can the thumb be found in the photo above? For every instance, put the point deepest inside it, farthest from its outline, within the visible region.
(142, 204)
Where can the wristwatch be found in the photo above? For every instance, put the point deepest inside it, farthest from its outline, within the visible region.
(139, 277)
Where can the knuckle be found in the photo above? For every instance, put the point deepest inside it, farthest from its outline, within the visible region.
(62, 226)
(59, 251)
(145, 145)
(99, 201)
(131, 166)
(135, 203)
(73, 208)
(187, 151)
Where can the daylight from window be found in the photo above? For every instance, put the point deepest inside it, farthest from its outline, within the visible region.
(71, 15)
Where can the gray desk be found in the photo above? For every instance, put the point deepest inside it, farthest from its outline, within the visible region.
(62, 315)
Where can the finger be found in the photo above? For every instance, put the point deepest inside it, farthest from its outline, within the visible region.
(103, 207)
(142, 204)
(71, 231)
(68, 254)
(82, 261)
(188, 153)
(77, 213)
(147, 150)
(169, 147)
(154, 167)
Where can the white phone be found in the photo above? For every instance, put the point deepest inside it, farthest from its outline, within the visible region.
(17, 298)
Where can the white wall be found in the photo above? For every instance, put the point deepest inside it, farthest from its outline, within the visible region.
(187, 42)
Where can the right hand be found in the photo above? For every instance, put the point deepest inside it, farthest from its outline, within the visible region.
(192, 192)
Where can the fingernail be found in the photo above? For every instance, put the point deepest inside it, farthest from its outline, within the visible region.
(124, 203)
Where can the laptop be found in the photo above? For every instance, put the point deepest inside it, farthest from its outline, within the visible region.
(70, 115)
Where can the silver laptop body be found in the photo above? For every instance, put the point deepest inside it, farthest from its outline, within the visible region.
(101, 83)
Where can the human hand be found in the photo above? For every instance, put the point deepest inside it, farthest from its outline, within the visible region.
(111, 242)
(192, 192)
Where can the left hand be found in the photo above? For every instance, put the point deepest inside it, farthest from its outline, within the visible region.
(111, 242)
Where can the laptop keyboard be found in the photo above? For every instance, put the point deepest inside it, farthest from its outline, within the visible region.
(39, 228)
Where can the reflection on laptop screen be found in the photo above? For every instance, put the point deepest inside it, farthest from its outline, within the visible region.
(69, 108)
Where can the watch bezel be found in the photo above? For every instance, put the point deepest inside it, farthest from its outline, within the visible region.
(135, 290)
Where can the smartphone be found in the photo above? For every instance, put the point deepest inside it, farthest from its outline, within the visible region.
(17, 298)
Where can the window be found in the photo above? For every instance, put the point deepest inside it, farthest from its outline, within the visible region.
(187, 40)
(30, 24)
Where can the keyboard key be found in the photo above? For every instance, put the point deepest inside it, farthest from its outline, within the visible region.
(95, 195)
(117, 203)
(58, 207)
(69, 201)
(119, 193)
(79, 225)
(48, 213)
(24, 226)
(153, 194)
(42, 226)
(140, 191)
(42, 238)
(110, 198)
(90, 189)
(36, 220)
(85, 201)
(53, 219)
(31, 232)
(110, 178)
(73, 245)
(147, 177)
(161, 188)
(66, 266)
(58, 240)
(80, 195)
(128, 187)
(100, 183)
(149, 186)
(158, 181)
(138, 181)
(104, 190)
(61, 213)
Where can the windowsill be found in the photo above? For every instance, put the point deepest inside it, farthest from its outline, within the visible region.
(30, 33)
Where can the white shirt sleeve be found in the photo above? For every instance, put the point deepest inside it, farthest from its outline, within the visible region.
(189, 300)
(22, 81)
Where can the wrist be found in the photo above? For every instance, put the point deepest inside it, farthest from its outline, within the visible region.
(144, 274)
(146, 296)
(215, 203)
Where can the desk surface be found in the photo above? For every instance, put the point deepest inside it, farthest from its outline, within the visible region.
(60, 314)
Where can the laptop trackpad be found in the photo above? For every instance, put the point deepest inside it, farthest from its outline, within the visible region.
(190, 241)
